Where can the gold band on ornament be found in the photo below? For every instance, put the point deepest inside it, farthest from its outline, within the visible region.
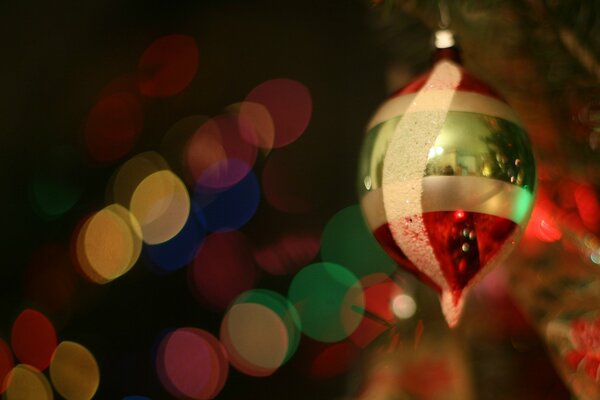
(469, 145)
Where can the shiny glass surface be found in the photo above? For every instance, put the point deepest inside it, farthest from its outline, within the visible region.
(469, 144)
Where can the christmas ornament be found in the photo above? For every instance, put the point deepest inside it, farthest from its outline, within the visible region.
(446, 178)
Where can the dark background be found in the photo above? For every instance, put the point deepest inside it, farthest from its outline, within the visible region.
(57, 56)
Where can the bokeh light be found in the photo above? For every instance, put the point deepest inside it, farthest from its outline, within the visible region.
(334, 360)
(161, 204)
(204, 150)
(346, 240)
(595, 257)
(27, 383)
(178, 251)
(222, 269)
(174, 142)
(108, 244)
(283, 308)
(260, 332)
(74, 371)
(192, 364)
(588, 206)
(57, 183)
(379, 293)
(404, 306)
(7, 363)
(112, 127)
(258, 117)
(52, 198)
(33, 339)
(329, 300)
(128, 176)
(289, 104)
(255, 338)
(288, 252)
(284, 243)
(542, 224)
(223, 175)
(232, 208)
(217, 156)
(168, 65)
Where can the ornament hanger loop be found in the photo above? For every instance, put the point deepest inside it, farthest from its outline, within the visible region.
(444, 38)
(444, 21)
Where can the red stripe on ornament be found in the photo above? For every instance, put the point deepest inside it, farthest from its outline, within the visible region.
(464, 242)
(386, 240)
(468, 83)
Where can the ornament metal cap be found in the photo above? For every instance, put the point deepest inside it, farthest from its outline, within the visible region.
(444, 39)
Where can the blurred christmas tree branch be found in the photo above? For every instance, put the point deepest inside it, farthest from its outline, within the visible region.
(541, 55)
(585, 57)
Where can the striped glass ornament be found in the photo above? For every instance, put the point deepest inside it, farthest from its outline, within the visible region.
(446, 179)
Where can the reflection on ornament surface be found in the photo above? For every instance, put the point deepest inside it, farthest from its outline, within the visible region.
(447, 180)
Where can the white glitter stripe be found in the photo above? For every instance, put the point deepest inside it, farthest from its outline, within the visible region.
(404, 166)
(461, 101)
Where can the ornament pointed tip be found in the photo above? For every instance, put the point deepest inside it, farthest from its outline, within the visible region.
(452, 305)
